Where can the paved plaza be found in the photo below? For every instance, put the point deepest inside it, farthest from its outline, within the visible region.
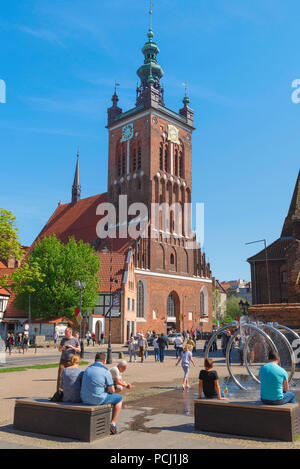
(156, 414)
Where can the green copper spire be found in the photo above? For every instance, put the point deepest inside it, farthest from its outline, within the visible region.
(150, 51)
(186, 99)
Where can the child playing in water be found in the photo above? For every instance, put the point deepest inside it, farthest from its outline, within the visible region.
(209, 382)
(187, 359)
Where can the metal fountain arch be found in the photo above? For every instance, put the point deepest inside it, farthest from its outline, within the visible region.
(255, 328)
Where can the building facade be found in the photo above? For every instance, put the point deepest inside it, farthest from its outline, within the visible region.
(158, 277)
(275, 271)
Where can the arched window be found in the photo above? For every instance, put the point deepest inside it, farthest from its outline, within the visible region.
(140, 300)
(161, 159)
(203, 302)
(166, 158)
(172, 259)
(134, 160)
(123, 164)
(176, 162)
(119, 165)
(181, 166)
(171, 306)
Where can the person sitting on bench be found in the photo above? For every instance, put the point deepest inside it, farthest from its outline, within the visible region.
(209, 382)
(274, 385)
(97, 388)
(71, 381)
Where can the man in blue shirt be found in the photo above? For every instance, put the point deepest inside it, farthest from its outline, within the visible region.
(274, 383)
(97, 388)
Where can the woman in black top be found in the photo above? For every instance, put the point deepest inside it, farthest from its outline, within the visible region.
(209, 382)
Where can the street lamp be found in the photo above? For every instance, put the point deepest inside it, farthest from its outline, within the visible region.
(267, 267)
(111, 280)
(244, 307)
(81, 286)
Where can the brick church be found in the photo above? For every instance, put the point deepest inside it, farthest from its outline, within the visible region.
(280, 283)
(157, 281)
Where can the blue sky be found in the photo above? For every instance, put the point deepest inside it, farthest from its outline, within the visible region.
(60, 59)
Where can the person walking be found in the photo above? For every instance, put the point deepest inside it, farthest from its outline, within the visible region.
(9, 343)
(186, 359)
(132, 349)
(102, 338)
(163, 343)
(156, 348)
(25, 343)
(143, 346)
(88, 338)
(93, 339)
(178, 345)
(55, 338)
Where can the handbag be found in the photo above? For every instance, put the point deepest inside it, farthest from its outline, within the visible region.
(57, 396)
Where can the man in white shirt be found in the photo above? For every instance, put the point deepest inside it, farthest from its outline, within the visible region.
(178, 345)
(116, 373)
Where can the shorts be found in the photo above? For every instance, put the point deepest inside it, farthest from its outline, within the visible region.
(112, 399)
(186, 370)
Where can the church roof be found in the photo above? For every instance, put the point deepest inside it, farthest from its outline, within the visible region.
(80, 221)
(275, 251)
(294, 211)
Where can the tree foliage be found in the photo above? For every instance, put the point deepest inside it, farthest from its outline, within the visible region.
(232, 308)
(10, 245)
(58, 266)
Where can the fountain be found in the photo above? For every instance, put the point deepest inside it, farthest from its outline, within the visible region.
(270, 332)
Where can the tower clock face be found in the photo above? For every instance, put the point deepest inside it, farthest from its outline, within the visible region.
(173, 134)
(127, 132)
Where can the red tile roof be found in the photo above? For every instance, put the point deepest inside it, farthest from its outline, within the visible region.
(80, 220)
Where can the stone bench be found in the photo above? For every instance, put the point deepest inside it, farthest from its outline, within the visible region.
(250, 418)
(68, 420)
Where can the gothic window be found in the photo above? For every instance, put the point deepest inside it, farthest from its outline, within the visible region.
(161, 162)
(134, 160)
(176, 162)
(203, 302)
(171, 306)
(139, 164)
(181, 168)
(140, 300)
(172, 259)
(119, 165)
(123, 164)
(166, 158)
(283, 277)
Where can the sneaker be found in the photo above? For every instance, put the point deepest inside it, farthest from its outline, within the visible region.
(113, 429)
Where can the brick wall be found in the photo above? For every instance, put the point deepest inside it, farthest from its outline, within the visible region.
(287, 314)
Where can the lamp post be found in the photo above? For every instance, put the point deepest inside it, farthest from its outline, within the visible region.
(111, 280)
(267, 266)
(81, 286)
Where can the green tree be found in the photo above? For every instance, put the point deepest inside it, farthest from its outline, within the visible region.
(54, 294)
(216, 301)
(232, 308)
(10, 245)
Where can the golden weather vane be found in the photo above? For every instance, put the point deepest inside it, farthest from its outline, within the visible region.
(150, 13)
(185, 87)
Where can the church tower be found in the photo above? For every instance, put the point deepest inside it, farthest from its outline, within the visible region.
(150, 146)
(76, 188)
(150, 161)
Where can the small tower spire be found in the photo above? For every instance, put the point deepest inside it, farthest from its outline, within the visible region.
(114, 110)
(76, 188)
